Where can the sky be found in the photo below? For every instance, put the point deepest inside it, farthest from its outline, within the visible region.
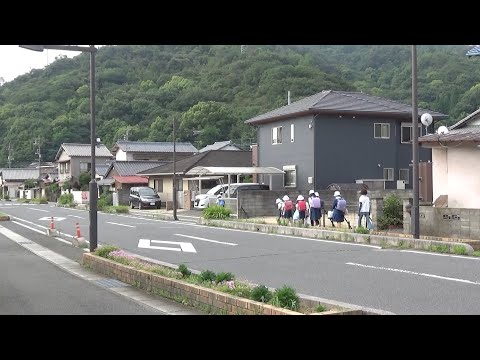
(15, 61)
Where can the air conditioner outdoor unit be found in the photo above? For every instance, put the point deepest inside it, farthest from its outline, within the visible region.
(401, 184)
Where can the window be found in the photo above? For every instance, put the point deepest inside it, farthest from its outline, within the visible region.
(290, 176)
(404, 174)
(381, 131)
(67, 167)
(158, 185)
(84, 167)
(388, 174)
(62, 168)
(292, 133)
(407, 134)
(276, 135)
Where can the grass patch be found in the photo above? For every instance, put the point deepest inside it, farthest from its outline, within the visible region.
(42, 200)
(438, 248)
(320, 308)
(459, 250)
(23, 200)
(361, 230)
(476, 253)
(120, 209)
(216, 212)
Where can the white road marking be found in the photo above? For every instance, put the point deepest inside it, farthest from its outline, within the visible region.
(203, 239)
(75, 216)
(49, 218)
(416, 273)
(327, 241)
(38, 209)
(64, 241)
(437, 254)
(185, 247)
(29, 222)
(108, 222)
(29, 227)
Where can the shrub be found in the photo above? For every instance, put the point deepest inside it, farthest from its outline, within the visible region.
(224, 276)
(361, 230)
(207, 275)
(286, 297)
(120, 209)
(106, 199)
(65, 199)
(262, 294)
(182, 268)
(105, 250)
(42, 200)
(216, 212)
(392, 212)
(320, 308)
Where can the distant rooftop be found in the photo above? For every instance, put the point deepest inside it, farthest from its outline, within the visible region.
(83, 150)
(153, 147)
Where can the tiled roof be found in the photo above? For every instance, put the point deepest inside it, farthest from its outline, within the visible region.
(218, 145)
(19, 174)
(341, 101)
(130, 168)
(154, 147)
(465, 120)
(207, 158)
(101, 169)
(468, 134)
(83, 150)
(131, 179)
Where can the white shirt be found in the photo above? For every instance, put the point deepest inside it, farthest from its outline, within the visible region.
(364, 199)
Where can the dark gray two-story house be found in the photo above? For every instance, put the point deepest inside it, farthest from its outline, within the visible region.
(338, 137)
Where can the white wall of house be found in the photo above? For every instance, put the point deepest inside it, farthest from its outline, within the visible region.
(123, 156)
(453, 175)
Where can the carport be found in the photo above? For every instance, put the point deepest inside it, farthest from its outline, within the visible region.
(201, 171)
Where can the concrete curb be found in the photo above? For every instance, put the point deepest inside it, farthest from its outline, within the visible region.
(380, 240)
(4, 218)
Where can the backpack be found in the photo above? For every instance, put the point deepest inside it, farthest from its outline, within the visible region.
(221, 202)
(288, 205)
(316, 203)
(302, 206)
(341, 205)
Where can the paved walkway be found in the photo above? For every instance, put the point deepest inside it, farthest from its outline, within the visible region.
(31, 285)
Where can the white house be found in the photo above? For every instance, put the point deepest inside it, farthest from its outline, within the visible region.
(455, 162)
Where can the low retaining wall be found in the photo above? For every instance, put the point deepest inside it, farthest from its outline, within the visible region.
(198, 296)
(4, 218)
(317, 233)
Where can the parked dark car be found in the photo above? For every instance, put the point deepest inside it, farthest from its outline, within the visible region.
(144, 197)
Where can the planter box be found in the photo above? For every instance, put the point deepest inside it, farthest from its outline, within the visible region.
(206, 299)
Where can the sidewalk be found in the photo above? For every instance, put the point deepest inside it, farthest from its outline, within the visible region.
(35, 287)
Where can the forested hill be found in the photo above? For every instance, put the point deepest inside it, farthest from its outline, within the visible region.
(140, 89)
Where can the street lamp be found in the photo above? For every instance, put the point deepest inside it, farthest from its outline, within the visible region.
(415, 178)
(93, 184)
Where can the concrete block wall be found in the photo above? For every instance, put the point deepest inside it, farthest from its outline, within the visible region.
(450, 222)
(222, 303)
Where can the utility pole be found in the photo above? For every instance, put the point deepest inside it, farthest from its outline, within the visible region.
(38, 152)
(10, 156)
(415, 178)
(174, 177)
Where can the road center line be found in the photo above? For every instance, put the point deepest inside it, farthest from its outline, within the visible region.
(75, 216)
(38, 209)
(415, 273)
(109, 222)
(208, 240)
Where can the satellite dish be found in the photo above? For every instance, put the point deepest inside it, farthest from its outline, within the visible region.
(426, 119)
(442, 130)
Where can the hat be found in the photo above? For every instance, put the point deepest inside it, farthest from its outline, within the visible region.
(336, 193)
(219, 196)
(300, 197)
(285, 198)
(278, 201)
(317, 194)
(310, 192)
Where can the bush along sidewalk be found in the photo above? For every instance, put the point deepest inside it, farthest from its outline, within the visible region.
(213, 293)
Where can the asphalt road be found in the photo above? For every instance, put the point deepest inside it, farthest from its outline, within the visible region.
(403, 282)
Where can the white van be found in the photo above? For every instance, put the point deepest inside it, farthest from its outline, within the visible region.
(202, 201)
